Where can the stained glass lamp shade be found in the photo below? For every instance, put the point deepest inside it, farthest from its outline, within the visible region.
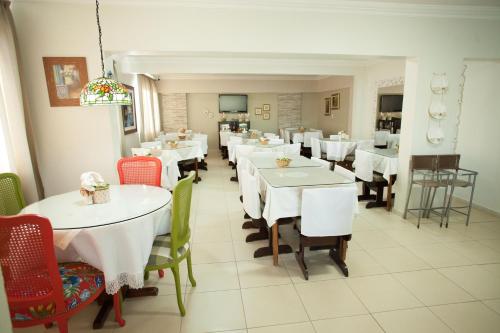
(104, 91)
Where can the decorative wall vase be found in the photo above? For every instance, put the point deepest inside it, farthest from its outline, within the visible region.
(439, 83)
(437, 110)
(435, 135)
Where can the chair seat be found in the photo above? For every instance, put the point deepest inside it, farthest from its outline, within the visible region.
(160, 253)
(80, 282)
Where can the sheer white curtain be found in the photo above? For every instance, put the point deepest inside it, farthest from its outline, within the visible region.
(14, 117)
(149, 113)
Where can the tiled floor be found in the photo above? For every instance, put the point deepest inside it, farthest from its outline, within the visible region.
(402, 279)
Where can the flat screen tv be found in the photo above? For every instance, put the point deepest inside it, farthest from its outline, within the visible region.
(233, 103)
(391, 103)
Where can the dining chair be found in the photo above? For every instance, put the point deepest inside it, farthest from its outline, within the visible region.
(325, 225)
(11, 194)
(276, 141)
(308, 136)
(343, 172)
(335, 137)
(139, 170)
(292, 149)
(380, 138)
(169, 250)
(324, 164)
(252, 206)
(316, 149)
(271, 136)
(39, 290)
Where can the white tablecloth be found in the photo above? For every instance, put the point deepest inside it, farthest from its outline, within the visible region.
(384, 161)
(120, 249)
(298, 137)
(337, 150)
(170, 172)
(184, 151)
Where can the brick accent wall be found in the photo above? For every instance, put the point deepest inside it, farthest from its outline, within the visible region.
(173, 111)
(289, 110)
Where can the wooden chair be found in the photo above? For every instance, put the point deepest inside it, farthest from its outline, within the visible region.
(11, 195)
(40, 291)
(169, 250)
(325, 225)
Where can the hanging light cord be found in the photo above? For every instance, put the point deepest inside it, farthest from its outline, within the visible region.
(100, 34)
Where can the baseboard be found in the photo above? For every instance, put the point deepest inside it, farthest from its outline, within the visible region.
(477, 206)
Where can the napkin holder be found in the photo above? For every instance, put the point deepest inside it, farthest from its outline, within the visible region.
(100, 194)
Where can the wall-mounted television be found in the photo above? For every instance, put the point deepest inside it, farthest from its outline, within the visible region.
(233, 103)
(391, 103)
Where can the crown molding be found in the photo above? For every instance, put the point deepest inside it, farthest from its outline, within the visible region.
(338, 6)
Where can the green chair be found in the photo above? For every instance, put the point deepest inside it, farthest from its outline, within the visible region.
(11, 195)
(169, 250)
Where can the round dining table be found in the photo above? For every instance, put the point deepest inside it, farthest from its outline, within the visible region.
(115, 237)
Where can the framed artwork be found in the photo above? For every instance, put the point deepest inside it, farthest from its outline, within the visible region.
(327, 107)
(65, 78)
(128, 113)
(266, 116)
(258, 111)
(335, 103)
(266, 107)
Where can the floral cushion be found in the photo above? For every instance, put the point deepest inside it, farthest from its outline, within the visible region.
(80, 282)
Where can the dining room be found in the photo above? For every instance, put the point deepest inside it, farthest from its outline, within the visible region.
(249, 167)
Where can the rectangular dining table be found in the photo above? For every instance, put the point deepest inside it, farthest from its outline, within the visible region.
(270, 163)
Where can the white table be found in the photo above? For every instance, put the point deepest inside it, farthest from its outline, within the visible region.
(115, 237)
(337, 150)
(270, 163)
(185, 151)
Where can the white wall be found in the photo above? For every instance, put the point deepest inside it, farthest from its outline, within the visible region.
(478, 135)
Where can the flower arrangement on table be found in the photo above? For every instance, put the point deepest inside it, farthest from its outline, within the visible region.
(263, 141)
(302, 129)
(172, 144)
(283, 162)
(93, 188)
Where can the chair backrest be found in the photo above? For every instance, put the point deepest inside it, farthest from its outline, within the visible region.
(393, 140)
(235, 139)
(28, 262)
(448, 162)
(203, 138)
(266, 154)
(315, 147)
(250, 192)
(365, 144)
(139, 170)
(141, 151)
(181, 210)
(381, 138)
(151, 144)
(309, 135)
(423, 162)
(324, 164)
(319, 217)
(243, 151)
(344, 173)
(364, 165)
(276, 141)
(271, 136)
(11, 194)
(335, 137)
(291, 149)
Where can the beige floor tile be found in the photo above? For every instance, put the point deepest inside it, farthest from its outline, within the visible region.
(360, 263)
(398, 259)
(492, 268)
(492, 243)
(475, 280)
(207, 219)
(439, 255)
(211, 234)
(355, 324)
(475, 252)
(210, 312)
(320, 267)
(432, 288)
(206, 253)
(274, 305)
(374, 239)
(329, 299)
(445, 234)
(261, 273)
(382, 293)
(413, 320)
(290, 328)
(468, 317)
(213, 277)
(412, 236)
(493, 304)
(166, 285)
(245, 251)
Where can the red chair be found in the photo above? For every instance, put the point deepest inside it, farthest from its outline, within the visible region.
(40, 291)
(140, 170)
(143, 170)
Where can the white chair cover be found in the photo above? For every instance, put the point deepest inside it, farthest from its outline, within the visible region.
(271, 136)
(203, 138)
(151, 144)
(315, 148)
(324, 164)
(235, 139)
(282, 133)
(265, 154)
(291, 149)
(250, 192)
(140, 151)
(309, 135)
(170, 171)
(393, 140)
(365, 144)
(381, 138)
(242, 151)
(364, 165)
(322, 218)
(335, 137)
(344, 173)
(243, 164)
(276, 141)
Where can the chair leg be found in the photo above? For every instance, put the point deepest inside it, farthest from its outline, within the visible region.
(449, 205)
(190, 269)
(161, 273)
(470, 202)
(431, 203)
(117, 305)
(408, 199)
(146, 275)
(420, 208)
(63, 325)
(299, 256)
(443, 210)
(175, 272)
(48, 325)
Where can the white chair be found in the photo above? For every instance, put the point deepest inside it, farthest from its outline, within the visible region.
(327, 224)
(252, 206)
(291, 149)
(343, 172)
(315, 148)
(324, 164)
(335, 137)
(282, 133)
(271, 136)
(141, 151)
(170, 171)
(365, 144)
(266, 154)
(393, 141)
(151, 144)
(381, 138)
(203, 138)
(276, 141)
(308, 136)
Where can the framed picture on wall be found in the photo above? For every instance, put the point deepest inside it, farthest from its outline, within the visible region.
(128, 113)
(266, 116)
(266, 107)
(327, 107)
(258, 111)
(335, 103)
(65, 77)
